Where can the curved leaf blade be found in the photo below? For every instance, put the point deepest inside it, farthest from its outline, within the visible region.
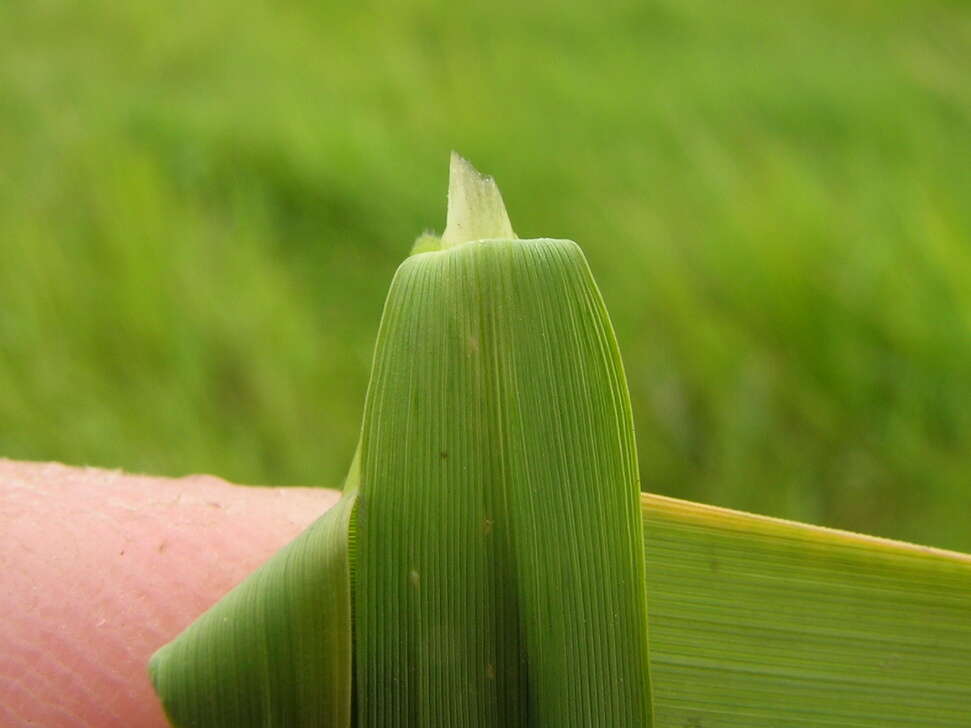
(499, 579)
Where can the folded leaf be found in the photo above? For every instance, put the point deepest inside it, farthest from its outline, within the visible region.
(276, 650)
(491, 562)
(499, 579)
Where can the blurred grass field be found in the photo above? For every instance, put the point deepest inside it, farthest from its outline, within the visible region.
(202, 205)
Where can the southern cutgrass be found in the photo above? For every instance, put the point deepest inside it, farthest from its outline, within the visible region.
(486, 564)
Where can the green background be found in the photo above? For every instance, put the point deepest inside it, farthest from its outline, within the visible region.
(202, 205)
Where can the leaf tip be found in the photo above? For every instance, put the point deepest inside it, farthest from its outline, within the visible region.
(475, 207)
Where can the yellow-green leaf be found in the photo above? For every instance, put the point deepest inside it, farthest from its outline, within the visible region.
(763, 623)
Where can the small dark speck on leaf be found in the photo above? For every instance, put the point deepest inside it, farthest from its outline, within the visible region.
(443, 455)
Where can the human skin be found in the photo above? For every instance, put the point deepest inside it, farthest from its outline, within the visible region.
(99, 568)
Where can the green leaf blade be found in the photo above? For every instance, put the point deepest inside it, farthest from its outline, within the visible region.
(759, 622)
(500, 571)
(276, 650)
